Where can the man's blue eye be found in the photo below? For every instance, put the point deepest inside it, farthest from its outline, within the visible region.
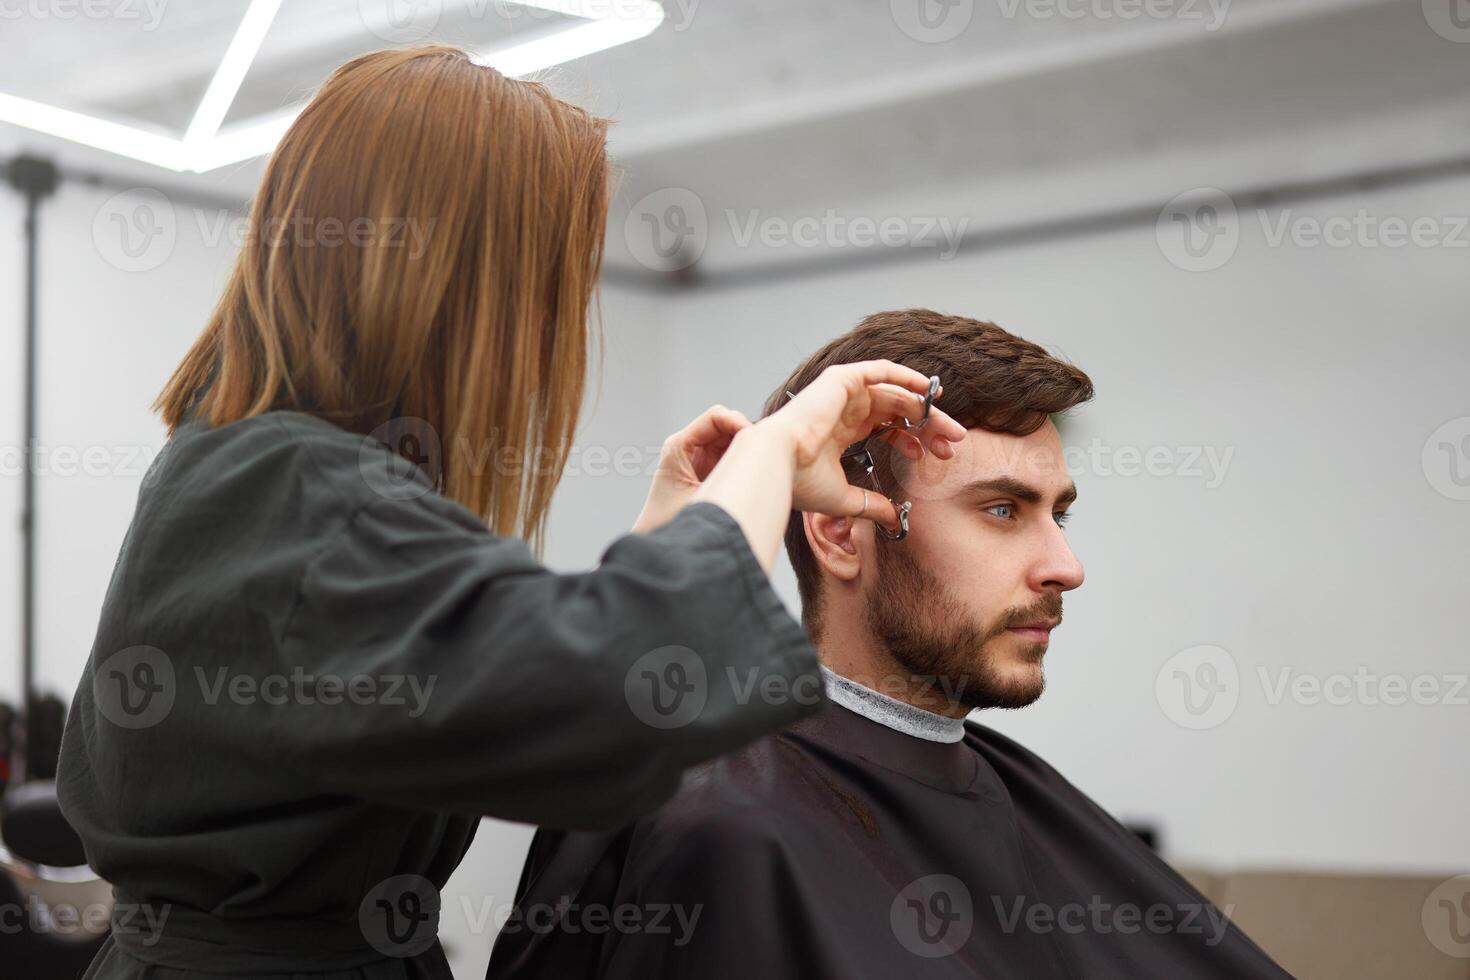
(1008, 512)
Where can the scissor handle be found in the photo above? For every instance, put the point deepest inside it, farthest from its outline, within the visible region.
(903, 522)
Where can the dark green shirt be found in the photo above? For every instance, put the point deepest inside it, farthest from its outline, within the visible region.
(313, 675)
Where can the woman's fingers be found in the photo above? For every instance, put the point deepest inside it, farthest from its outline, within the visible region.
(942, 433)
(869, 505)
(707, 437)
(712, 431)
(691, 454)
(891, 404)
(717, 423)
(884, 371)
(854, 393)
(848, 403)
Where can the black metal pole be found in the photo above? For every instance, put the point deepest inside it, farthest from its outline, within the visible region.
(28, 478)
(36, 179)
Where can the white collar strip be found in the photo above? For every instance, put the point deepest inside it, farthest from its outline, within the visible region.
(892, 713)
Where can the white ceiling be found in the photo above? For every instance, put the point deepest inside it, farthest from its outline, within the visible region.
(1278, 69)
(152, 58)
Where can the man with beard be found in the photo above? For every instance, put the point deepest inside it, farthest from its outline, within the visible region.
(887, 836)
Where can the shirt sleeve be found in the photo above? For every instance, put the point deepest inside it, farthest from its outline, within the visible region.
(453, 671)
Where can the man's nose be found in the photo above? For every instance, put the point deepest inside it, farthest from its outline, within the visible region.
(1057, 568)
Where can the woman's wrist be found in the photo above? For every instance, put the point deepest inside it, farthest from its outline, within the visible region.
(752, 482)
(760, 457)
(774, 440)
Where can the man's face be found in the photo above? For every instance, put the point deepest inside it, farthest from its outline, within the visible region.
(970, 596)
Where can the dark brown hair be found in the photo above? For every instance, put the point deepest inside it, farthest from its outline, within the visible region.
(992, 379)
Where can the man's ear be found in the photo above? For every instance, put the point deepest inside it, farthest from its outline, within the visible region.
(834, 543)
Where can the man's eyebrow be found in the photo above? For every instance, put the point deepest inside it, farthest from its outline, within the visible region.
(1012, 487)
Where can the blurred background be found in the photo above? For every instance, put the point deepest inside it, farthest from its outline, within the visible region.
(1245, 219)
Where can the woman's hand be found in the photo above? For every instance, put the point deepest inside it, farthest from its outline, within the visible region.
(686, 459)
(843, 405)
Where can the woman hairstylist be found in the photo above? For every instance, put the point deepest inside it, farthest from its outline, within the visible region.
(322, 656)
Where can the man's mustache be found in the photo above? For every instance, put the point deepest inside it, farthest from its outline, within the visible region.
(1048, 608)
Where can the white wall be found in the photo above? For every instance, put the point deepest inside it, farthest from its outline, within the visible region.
(107, 340)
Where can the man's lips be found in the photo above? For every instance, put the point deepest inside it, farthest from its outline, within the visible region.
(1038, 632)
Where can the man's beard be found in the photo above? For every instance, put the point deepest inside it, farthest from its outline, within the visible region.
(929, 633)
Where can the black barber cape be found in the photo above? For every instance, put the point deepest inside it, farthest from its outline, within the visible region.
(842, 849)
(313, 675)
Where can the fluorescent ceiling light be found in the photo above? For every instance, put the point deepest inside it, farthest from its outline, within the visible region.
(139, 144)
(576, 41)
(207, 145)
(225, 84)
(241, 141)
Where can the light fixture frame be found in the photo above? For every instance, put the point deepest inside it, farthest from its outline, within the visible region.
(208, 144)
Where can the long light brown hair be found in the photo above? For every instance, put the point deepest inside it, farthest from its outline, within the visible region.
(425, 244)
